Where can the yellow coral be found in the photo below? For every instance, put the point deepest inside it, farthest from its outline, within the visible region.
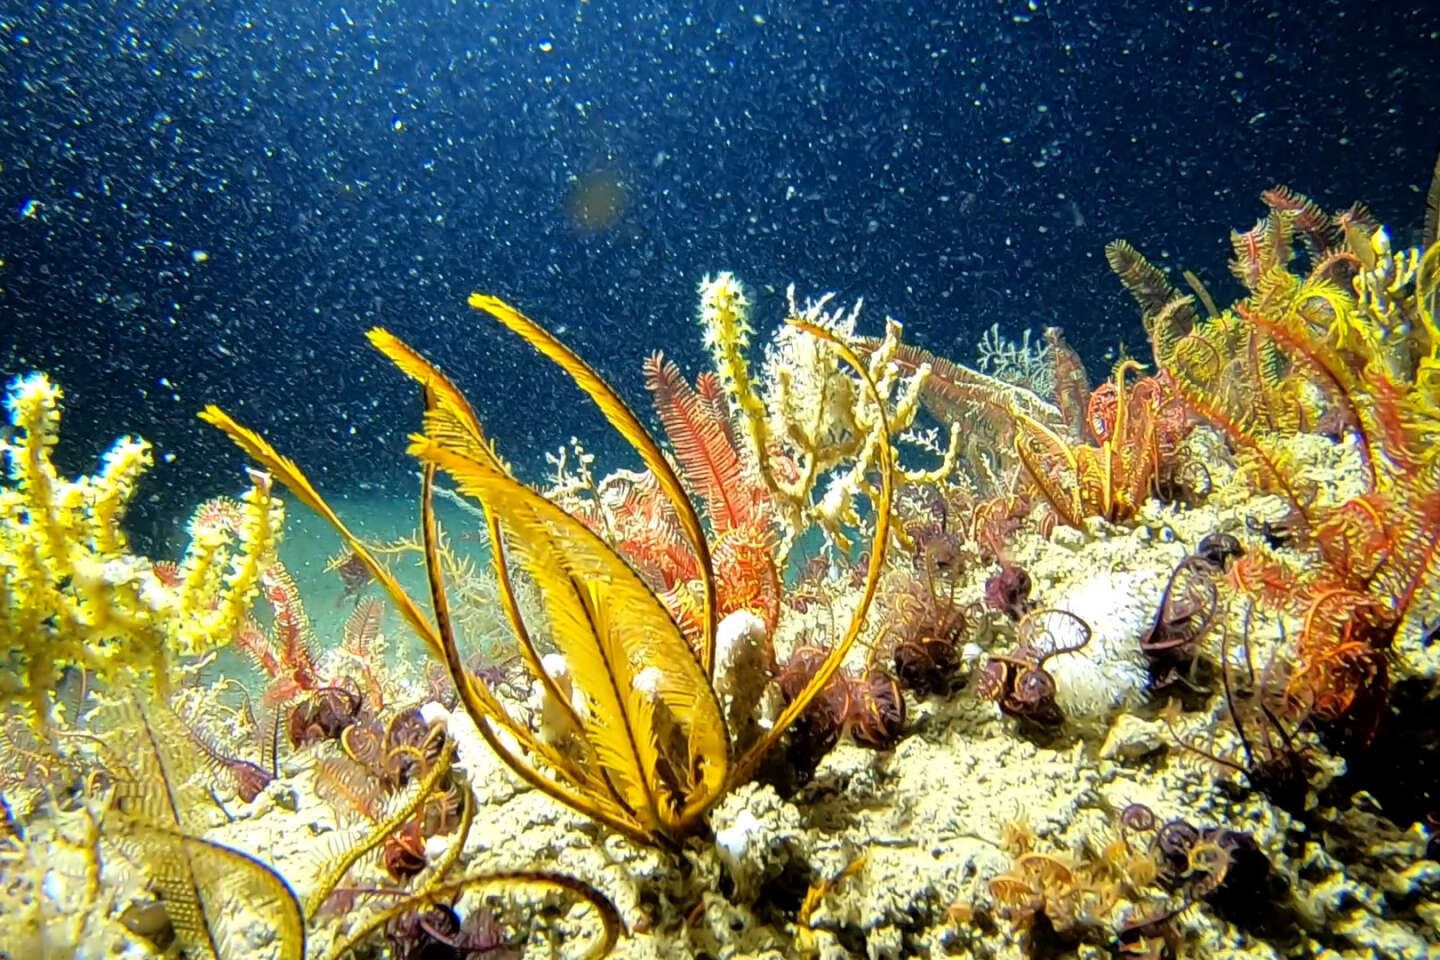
(71, 593)
(811, 419)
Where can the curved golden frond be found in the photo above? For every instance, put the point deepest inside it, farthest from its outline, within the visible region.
(629, 427)
(1431, 232)
(449, 418)
(451, 421)
(335, 870)
(1145, 282)
(611, 925)
(645, 693)
(1427, 293)
(1052, 466)
(284, 469)
(212, 891)
(581, 788)
(209, 890)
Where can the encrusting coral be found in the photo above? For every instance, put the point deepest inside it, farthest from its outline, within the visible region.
(72, 595)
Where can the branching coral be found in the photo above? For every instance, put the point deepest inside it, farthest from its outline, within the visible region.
(815, 442)
(72, 594)
(1025, 364)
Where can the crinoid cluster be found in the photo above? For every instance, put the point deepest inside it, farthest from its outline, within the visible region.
(1338, 335)
(1124, 889)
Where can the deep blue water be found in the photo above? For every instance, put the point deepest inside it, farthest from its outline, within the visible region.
(210, 202)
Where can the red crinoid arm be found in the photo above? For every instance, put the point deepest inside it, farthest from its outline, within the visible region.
(715, 405)
(251, 640)
(362, 630)
(1330, 367)
(291, 634)
(748, 580)
(1342, 655)
(167, 573)
(1072, 384)
(709, 462)
(1317, 228)
(1355, 539)
(647, 534)
(1411, 565)
(1100, 412)
(1261, 576)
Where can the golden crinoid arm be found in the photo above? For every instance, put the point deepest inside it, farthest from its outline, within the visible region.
(885, 458)
(1232, 375)
(1427, 306)
(1126, 457)
(611, 926)
(629, 426)
(285, 470)
(451, 422)
(652, 721)
(579, 783)
(1052, 465)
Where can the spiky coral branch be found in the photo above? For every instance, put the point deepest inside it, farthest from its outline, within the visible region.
(813, 439)
(71, 593)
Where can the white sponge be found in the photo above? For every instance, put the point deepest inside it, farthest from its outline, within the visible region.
(1110, 671)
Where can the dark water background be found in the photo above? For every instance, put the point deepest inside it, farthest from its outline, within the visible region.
(210, 202)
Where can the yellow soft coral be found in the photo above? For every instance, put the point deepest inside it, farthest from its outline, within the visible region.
(812, 436)
(71, 593)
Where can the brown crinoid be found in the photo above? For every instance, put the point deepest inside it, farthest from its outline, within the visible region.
(404, 853)
(877, 711)
(324, 715)
(437, 931)
(870, 708)
(925, 627)
(1007, 590)
(1018, 681)
(353, 573)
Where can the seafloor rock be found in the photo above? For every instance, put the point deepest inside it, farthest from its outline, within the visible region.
(929, 816)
